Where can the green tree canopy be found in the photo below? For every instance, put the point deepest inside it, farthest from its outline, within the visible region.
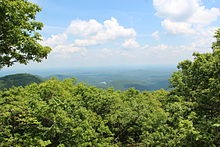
(216, 45)
(19, 39)
(57, 113)
(198, 82)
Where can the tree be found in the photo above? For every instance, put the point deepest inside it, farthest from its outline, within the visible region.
(198, 81)
(54, 113)
(19, 39)
(216, 45)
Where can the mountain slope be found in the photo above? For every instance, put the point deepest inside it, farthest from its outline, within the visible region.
(18, 80)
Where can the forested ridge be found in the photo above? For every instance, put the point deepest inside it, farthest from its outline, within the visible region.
(19, 80)
(63, 113)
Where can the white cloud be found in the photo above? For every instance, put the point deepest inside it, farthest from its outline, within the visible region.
(185, 14)
(86, 42)
(204, 38)
(160, 47)
(76, 41)
(93, 33)
(175, 9)
(55, 40)
(156, 35)
(100, 33)
(131, 43)
(177, 27)
(60, 45)
(84, 28)
(204, 16)
(68, 49)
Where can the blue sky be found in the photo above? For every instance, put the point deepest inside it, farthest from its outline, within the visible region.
(90, 33)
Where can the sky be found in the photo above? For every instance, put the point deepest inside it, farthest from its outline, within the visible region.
(104, 33)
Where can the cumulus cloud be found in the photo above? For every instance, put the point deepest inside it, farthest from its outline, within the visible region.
(175, 9)
(80, 35)
(185, 14)
(60, 45)
(205, 37)
(91, 32)
(204, 16)
(55, 40)
(100, 33)
(176, 28)
(84, 28)
(68, 48)
(131, 43)
(156, 35)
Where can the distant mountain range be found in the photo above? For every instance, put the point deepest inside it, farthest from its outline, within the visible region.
(121, 79)
(144, 79)
(120, 82)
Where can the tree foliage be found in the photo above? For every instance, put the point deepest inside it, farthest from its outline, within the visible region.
(62, 113)
(19, 39)
(198, 82)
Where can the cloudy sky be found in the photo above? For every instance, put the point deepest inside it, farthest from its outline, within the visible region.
(91, 33)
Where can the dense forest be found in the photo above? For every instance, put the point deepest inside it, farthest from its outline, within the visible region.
(63, 113)
(67, 113)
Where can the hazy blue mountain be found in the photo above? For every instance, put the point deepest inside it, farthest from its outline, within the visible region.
(121, 79)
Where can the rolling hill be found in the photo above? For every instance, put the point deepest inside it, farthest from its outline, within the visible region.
(19, 80)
